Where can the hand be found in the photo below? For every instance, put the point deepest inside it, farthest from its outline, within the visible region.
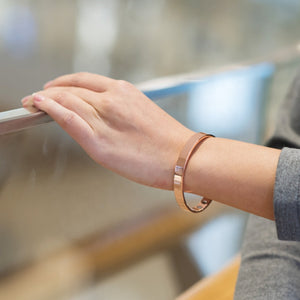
(116, 124)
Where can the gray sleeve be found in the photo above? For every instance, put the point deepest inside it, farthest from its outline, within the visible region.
(286, 195)
(286, 189)
(270, 268)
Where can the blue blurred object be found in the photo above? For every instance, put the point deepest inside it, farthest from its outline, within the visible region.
(231, 105)
(217, 242)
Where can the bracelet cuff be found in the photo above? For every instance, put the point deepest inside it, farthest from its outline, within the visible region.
(179, 173)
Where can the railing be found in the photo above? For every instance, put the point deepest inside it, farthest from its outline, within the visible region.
(19, 119)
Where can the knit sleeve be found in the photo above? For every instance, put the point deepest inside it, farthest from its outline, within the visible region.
(287, 195)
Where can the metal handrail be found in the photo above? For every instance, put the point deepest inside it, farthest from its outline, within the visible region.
(20, 119)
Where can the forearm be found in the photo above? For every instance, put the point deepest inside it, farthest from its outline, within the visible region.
(123, 130)
(235, 173)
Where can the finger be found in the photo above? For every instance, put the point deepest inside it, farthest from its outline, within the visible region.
(90, 97)
(27, 103)
(84, 102)
(65, 98)
(86, 95)
(85, 80)
(72, 101)
(71, 122)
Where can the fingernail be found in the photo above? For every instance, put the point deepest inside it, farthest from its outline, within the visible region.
(38, 97)
(47, 84)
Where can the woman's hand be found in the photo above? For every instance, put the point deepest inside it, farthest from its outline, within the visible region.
(120, 128)
(116, 124)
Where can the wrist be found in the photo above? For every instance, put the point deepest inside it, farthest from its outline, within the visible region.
(197, 177)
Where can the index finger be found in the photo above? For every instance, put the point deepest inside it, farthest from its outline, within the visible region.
(94, 82)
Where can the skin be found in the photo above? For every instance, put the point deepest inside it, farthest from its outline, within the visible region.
(123, 130)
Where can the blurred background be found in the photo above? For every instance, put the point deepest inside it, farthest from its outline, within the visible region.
(70, 229)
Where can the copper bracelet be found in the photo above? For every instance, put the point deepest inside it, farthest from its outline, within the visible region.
(179, 173)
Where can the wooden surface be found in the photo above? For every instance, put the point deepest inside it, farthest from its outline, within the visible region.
(216, 287)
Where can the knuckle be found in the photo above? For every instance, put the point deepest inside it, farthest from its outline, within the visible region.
(61, 96)
(68, 118)
(77, 78)
(123, 84)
